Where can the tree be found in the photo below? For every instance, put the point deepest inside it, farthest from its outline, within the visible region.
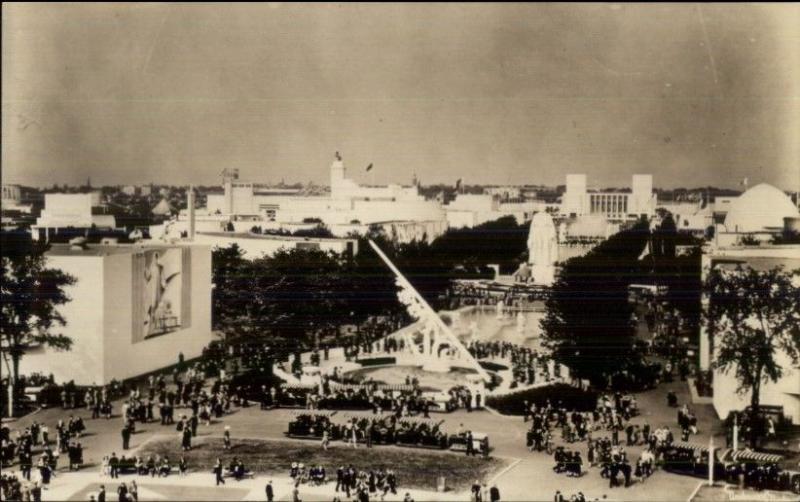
(588, 324)
(31, 294)
(753, 318)
(231, 278)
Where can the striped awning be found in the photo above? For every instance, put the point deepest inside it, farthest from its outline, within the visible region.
(347, 415)
(313, 413)
(754, 456)
(367, 386)
(298, 386)
(690, 446)
(420, 420)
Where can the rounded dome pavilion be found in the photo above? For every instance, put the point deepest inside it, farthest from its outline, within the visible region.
(760, 208)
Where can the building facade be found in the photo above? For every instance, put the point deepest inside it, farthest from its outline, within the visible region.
(133, 309)
(70, 210)
(578, 200)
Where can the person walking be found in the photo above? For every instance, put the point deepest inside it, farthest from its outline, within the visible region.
(226, 438)
(126, 437)
(470, 446)
(218, 473)
(134, 491)
(494, 494)
(101, 495)
(325, 439)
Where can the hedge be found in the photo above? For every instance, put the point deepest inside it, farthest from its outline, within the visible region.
(559, 395)
(377, 361)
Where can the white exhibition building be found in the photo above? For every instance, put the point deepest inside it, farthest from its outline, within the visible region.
(133, 309)
(753, 220)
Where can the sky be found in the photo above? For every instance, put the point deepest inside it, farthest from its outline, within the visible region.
(696, 94)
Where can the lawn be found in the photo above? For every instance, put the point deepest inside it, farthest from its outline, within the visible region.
(414, 468)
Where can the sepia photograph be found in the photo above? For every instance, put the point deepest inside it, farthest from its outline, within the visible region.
(411, 252)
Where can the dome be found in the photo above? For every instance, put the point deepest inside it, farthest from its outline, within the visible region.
(760, 208)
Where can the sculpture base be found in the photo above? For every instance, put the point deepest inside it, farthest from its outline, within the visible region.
(544, 275)
(436, 366)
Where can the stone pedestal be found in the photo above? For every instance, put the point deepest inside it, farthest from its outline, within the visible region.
(544, 275)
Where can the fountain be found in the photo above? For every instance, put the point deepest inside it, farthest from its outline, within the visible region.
(521, 322)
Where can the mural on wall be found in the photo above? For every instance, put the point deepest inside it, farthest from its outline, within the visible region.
(160, 292)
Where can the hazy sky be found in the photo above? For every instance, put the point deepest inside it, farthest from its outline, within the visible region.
(694, 94)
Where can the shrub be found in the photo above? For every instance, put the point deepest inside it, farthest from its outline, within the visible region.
(377, 361)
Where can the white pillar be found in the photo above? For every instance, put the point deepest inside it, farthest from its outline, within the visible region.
(711, 461)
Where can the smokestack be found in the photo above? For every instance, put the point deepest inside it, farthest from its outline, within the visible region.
(190, 207)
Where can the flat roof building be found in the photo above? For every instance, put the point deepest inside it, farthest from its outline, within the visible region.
(133, 309)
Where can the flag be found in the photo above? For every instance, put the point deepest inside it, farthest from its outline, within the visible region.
(458, 183)
(369, 166)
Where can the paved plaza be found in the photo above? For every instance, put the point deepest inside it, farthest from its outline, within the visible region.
(507, 434)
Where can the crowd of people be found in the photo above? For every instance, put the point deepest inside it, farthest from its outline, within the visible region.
(35, 441)
(112, 466)
(350, 481)
(526, 363)
(13, 488)
(611, 416)
(379, 429)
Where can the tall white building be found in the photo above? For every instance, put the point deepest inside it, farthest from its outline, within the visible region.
(578, 200)
(350, 207)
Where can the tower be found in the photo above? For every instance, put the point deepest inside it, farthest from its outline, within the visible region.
(642, 201)
(573, 201)
(337, 175)
(228, 177)
(190, 210)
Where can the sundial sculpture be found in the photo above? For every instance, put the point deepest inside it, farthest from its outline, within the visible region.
(435, 333)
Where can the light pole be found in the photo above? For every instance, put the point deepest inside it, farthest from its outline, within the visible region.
(711, 461)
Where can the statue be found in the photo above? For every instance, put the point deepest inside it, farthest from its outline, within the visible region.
(542, 249)
(500, 307)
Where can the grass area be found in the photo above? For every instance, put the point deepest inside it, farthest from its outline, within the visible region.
(414, 468)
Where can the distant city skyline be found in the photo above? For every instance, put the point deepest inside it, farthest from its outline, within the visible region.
(492, 94)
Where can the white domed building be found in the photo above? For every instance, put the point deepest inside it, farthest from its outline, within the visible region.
(759, 213)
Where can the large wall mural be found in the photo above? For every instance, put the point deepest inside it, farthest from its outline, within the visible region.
(160, 292)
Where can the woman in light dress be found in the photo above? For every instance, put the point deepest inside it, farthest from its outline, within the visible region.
(104, 467)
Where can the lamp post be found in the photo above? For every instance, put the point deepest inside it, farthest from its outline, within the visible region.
(711, 461)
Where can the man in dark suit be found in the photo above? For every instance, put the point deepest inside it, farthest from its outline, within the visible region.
(470, 446)
(339, 478)
(113, 464)
(101, 496)
(218, 473)
(126, 437)
(270, 493)
(494, 494)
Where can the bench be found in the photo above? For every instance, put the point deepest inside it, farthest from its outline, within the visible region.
(248, 474)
